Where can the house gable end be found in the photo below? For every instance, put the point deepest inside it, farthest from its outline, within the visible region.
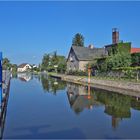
(70, 52)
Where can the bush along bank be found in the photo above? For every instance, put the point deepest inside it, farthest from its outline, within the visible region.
(130, 73)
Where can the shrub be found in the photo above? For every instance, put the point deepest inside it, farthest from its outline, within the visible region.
(135, 59)
(77, 73)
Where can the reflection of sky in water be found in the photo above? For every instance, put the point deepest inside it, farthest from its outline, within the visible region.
(45, 110)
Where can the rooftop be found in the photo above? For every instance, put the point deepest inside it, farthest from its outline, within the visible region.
(22, 65)
(85, 53)
(135, 50)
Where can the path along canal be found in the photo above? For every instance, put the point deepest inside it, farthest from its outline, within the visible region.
(44, 107)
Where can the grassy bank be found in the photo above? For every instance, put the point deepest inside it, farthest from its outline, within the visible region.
(101, 78)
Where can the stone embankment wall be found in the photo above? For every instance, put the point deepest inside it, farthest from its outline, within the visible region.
(123, 87)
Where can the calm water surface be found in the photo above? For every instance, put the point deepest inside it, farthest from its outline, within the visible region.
(42, 107)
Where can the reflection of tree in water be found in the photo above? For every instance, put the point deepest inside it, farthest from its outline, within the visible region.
(52, 85)
(116, 105)
(45, 82)
(14, 75)
(135, 103)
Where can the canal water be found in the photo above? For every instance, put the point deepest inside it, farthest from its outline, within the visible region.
(44, 107)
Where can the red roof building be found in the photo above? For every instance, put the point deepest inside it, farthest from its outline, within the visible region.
(135, 50)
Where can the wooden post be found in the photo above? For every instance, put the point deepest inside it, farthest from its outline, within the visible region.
(89, 74)
(89, 96)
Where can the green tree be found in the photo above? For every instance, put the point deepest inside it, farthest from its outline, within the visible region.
(14, 68)
(135, 59)
(118, 60)
(78, 40)
(61, 64)
(45, 62)
(50, 61)
(6, 65)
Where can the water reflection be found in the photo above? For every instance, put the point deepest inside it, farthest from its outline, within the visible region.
(52, 85)
(116, 105)
(85, 97)
(25, 77)
(80, 97)
(84, 108)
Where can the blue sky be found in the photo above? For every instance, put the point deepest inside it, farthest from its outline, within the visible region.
(30, 29)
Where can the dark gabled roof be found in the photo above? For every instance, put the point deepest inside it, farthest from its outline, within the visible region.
(87, 54)
(22, 65)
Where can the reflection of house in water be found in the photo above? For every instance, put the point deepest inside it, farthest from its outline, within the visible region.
(79, 97)
(116, 105)
(25, 77)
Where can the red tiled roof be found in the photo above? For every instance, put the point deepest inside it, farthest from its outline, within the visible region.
(135, 50)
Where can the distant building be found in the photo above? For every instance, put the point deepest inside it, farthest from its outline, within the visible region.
(24, 67)
(34, 66)
(79, 57)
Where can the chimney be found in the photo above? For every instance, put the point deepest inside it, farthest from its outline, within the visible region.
(91, 46)
(115, 35)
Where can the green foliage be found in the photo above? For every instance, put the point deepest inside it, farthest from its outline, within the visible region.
(6, 65)
(124, 47)
(127, 68)
(45, 62)
(114, 61)
(14, 68)
(135, 59)
(77, 73)
(101, 65)
(119, 48)
(50, 61)
(78, 40)
(118, 60)
(129, 72)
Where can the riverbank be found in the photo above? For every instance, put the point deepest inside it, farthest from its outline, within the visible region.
(123, 87)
